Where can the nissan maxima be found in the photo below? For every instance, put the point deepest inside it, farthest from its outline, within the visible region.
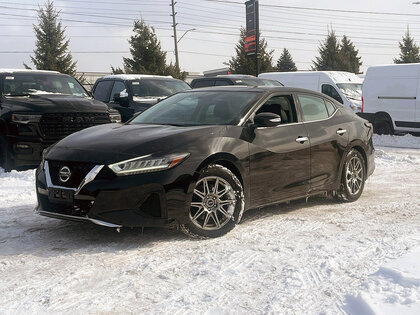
(200, 158)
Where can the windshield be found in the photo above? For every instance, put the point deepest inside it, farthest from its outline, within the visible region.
(157, 87)
(351, 90)
(17, 84)
(256, 82)
(199, 108)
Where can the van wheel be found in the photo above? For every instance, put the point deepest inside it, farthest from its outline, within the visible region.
(383, 127)
(6, 160)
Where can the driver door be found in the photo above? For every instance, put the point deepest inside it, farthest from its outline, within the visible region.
(279, 156)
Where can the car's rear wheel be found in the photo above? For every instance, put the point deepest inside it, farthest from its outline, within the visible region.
(6, 160)
(353, 177)
(217, 203)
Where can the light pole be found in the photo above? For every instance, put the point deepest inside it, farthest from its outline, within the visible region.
(192, 29)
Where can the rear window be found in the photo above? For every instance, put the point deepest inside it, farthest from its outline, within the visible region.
(157, 87)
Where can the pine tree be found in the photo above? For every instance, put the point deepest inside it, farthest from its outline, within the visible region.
(51, 51)
(329, 54)
(242, 64)
(285, 62)
(147, 54)
(409, 50)
(350, 61)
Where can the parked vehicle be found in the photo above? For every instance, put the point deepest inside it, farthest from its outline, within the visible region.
(133, 93)
(391, 98)
(232, 79)
(344, 87)
(38, 108)
(199, 158)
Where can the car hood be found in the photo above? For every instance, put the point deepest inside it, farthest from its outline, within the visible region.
(115, 142)
(45, 103)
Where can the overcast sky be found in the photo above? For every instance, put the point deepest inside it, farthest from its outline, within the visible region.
(99, 29)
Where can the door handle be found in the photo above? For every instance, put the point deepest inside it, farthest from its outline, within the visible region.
(341, 131)
(302, 140)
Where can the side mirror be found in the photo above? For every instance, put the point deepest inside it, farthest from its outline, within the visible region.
(267, 120)
(122, 98)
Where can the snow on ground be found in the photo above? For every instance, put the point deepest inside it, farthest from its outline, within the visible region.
(406, 141)
(297, 258)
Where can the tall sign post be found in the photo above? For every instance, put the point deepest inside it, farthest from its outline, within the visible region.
(252, 32)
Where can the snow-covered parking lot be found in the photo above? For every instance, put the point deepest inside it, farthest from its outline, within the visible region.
(297, 258)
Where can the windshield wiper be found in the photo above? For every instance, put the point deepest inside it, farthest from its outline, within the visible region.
(17, 94)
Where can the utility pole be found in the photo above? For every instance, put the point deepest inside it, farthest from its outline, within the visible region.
(257, 38)
(175, 38)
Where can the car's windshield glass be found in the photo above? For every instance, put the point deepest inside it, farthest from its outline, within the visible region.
(256, 82)
(157, 87)
(16, 84)
(351, 90)
(199, 108)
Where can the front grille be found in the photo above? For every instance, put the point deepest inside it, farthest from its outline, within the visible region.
(60, 125)
(78, 172)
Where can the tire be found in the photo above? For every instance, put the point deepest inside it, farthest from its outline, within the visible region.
(216, 205)
(383, 127)
(353, 177)
(6, 160)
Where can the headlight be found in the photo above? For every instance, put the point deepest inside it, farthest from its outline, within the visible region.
(147, 163)
(24, 118)
(114, 116)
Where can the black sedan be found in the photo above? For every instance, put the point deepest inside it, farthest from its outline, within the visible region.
(200, 158)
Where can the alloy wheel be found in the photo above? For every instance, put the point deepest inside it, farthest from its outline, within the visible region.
(213, 203)
(354, 175)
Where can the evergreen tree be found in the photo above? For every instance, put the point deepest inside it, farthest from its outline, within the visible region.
(117, 70)
(409, 50)
(51, 51)
(329, 54)
(350, 61)
(242, 64)
(147, 54)
(285, 62)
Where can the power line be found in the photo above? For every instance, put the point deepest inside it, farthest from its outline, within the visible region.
(318, 9)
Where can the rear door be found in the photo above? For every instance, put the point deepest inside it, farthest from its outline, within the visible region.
(328, 132)
(279, 156)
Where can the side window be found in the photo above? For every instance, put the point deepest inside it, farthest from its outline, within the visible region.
(222, 83)
(313, 108)
(330, 107)
(203, 83)
(102, 90)
(329, 90)
(283, 106)
(117, 89)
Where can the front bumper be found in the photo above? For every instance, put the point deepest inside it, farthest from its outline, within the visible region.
(144, 200)
(27, 151)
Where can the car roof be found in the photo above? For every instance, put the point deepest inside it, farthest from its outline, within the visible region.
(130, 77)
(249, 88)
(28, 71)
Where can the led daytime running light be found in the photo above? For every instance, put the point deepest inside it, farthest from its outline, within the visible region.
(145, 164)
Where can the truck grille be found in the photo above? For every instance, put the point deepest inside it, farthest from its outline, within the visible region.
(60, 125)
(78, 172)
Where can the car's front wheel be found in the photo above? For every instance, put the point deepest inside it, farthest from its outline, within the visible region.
(217, 203)
(353, 177)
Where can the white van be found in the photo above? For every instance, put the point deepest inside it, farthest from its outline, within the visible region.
(345, 87)
(391, 98)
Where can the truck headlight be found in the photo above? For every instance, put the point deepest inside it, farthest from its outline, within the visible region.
(26, 118)
(114, 116)
(147, 163)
